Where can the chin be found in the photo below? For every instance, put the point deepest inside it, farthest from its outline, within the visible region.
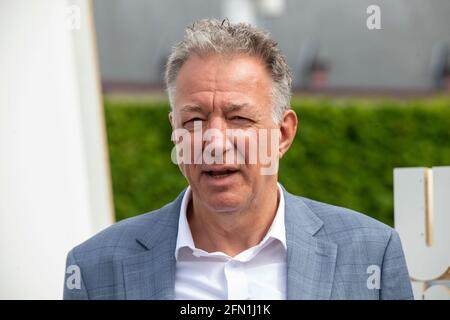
(225, 202)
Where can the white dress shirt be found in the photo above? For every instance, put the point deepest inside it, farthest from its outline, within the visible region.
(256, 273)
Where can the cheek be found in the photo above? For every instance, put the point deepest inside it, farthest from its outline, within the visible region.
(268, 143)
(186, 170)
(260, 144)
(246, 147)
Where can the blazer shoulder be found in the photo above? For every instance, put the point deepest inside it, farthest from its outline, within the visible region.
(118, 240)
(340, 222)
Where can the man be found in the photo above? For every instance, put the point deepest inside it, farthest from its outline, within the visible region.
(235, 233)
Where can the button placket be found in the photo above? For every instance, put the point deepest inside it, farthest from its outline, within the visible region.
(236, 280)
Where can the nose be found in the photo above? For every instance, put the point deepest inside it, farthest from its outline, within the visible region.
(216, 122)
(215, 136)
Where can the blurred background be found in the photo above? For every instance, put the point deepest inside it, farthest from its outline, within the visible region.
(370, 99)
(85, 137)
(327, 45)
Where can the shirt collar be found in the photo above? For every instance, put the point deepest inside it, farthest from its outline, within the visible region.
(184, 238)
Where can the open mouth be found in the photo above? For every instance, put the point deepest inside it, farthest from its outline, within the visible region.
(220, 173)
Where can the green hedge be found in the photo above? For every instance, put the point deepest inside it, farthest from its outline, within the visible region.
(344, 152)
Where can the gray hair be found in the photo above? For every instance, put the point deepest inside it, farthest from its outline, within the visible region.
(222, 37)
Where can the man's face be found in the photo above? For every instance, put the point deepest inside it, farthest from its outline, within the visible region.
(224, 93)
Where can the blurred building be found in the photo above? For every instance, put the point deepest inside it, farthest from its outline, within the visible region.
(327, 43)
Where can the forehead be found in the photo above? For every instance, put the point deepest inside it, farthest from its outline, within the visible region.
(215, 80)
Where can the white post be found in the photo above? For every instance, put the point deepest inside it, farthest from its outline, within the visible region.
(54, 177)
(422, 218)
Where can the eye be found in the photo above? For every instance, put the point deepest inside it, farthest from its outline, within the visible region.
(240, 119)
(191, 121)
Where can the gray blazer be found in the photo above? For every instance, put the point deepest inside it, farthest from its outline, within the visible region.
(332, 253)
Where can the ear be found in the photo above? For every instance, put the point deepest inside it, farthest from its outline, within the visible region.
(288, 129)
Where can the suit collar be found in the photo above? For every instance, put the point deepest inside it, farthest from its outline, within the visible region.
(150, 275)
(163, 226)
(311, 258)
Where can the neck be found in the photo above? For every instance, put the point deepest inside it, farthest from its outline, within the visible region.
(232, 232)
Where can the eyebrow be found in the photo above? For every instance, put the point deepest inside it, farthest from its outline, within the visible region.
(235, 107)
(227, 108)
(191, 108)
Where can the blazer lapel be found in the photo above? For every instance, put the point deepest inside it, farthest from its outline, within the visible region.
(310, 259)
(150, 275)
